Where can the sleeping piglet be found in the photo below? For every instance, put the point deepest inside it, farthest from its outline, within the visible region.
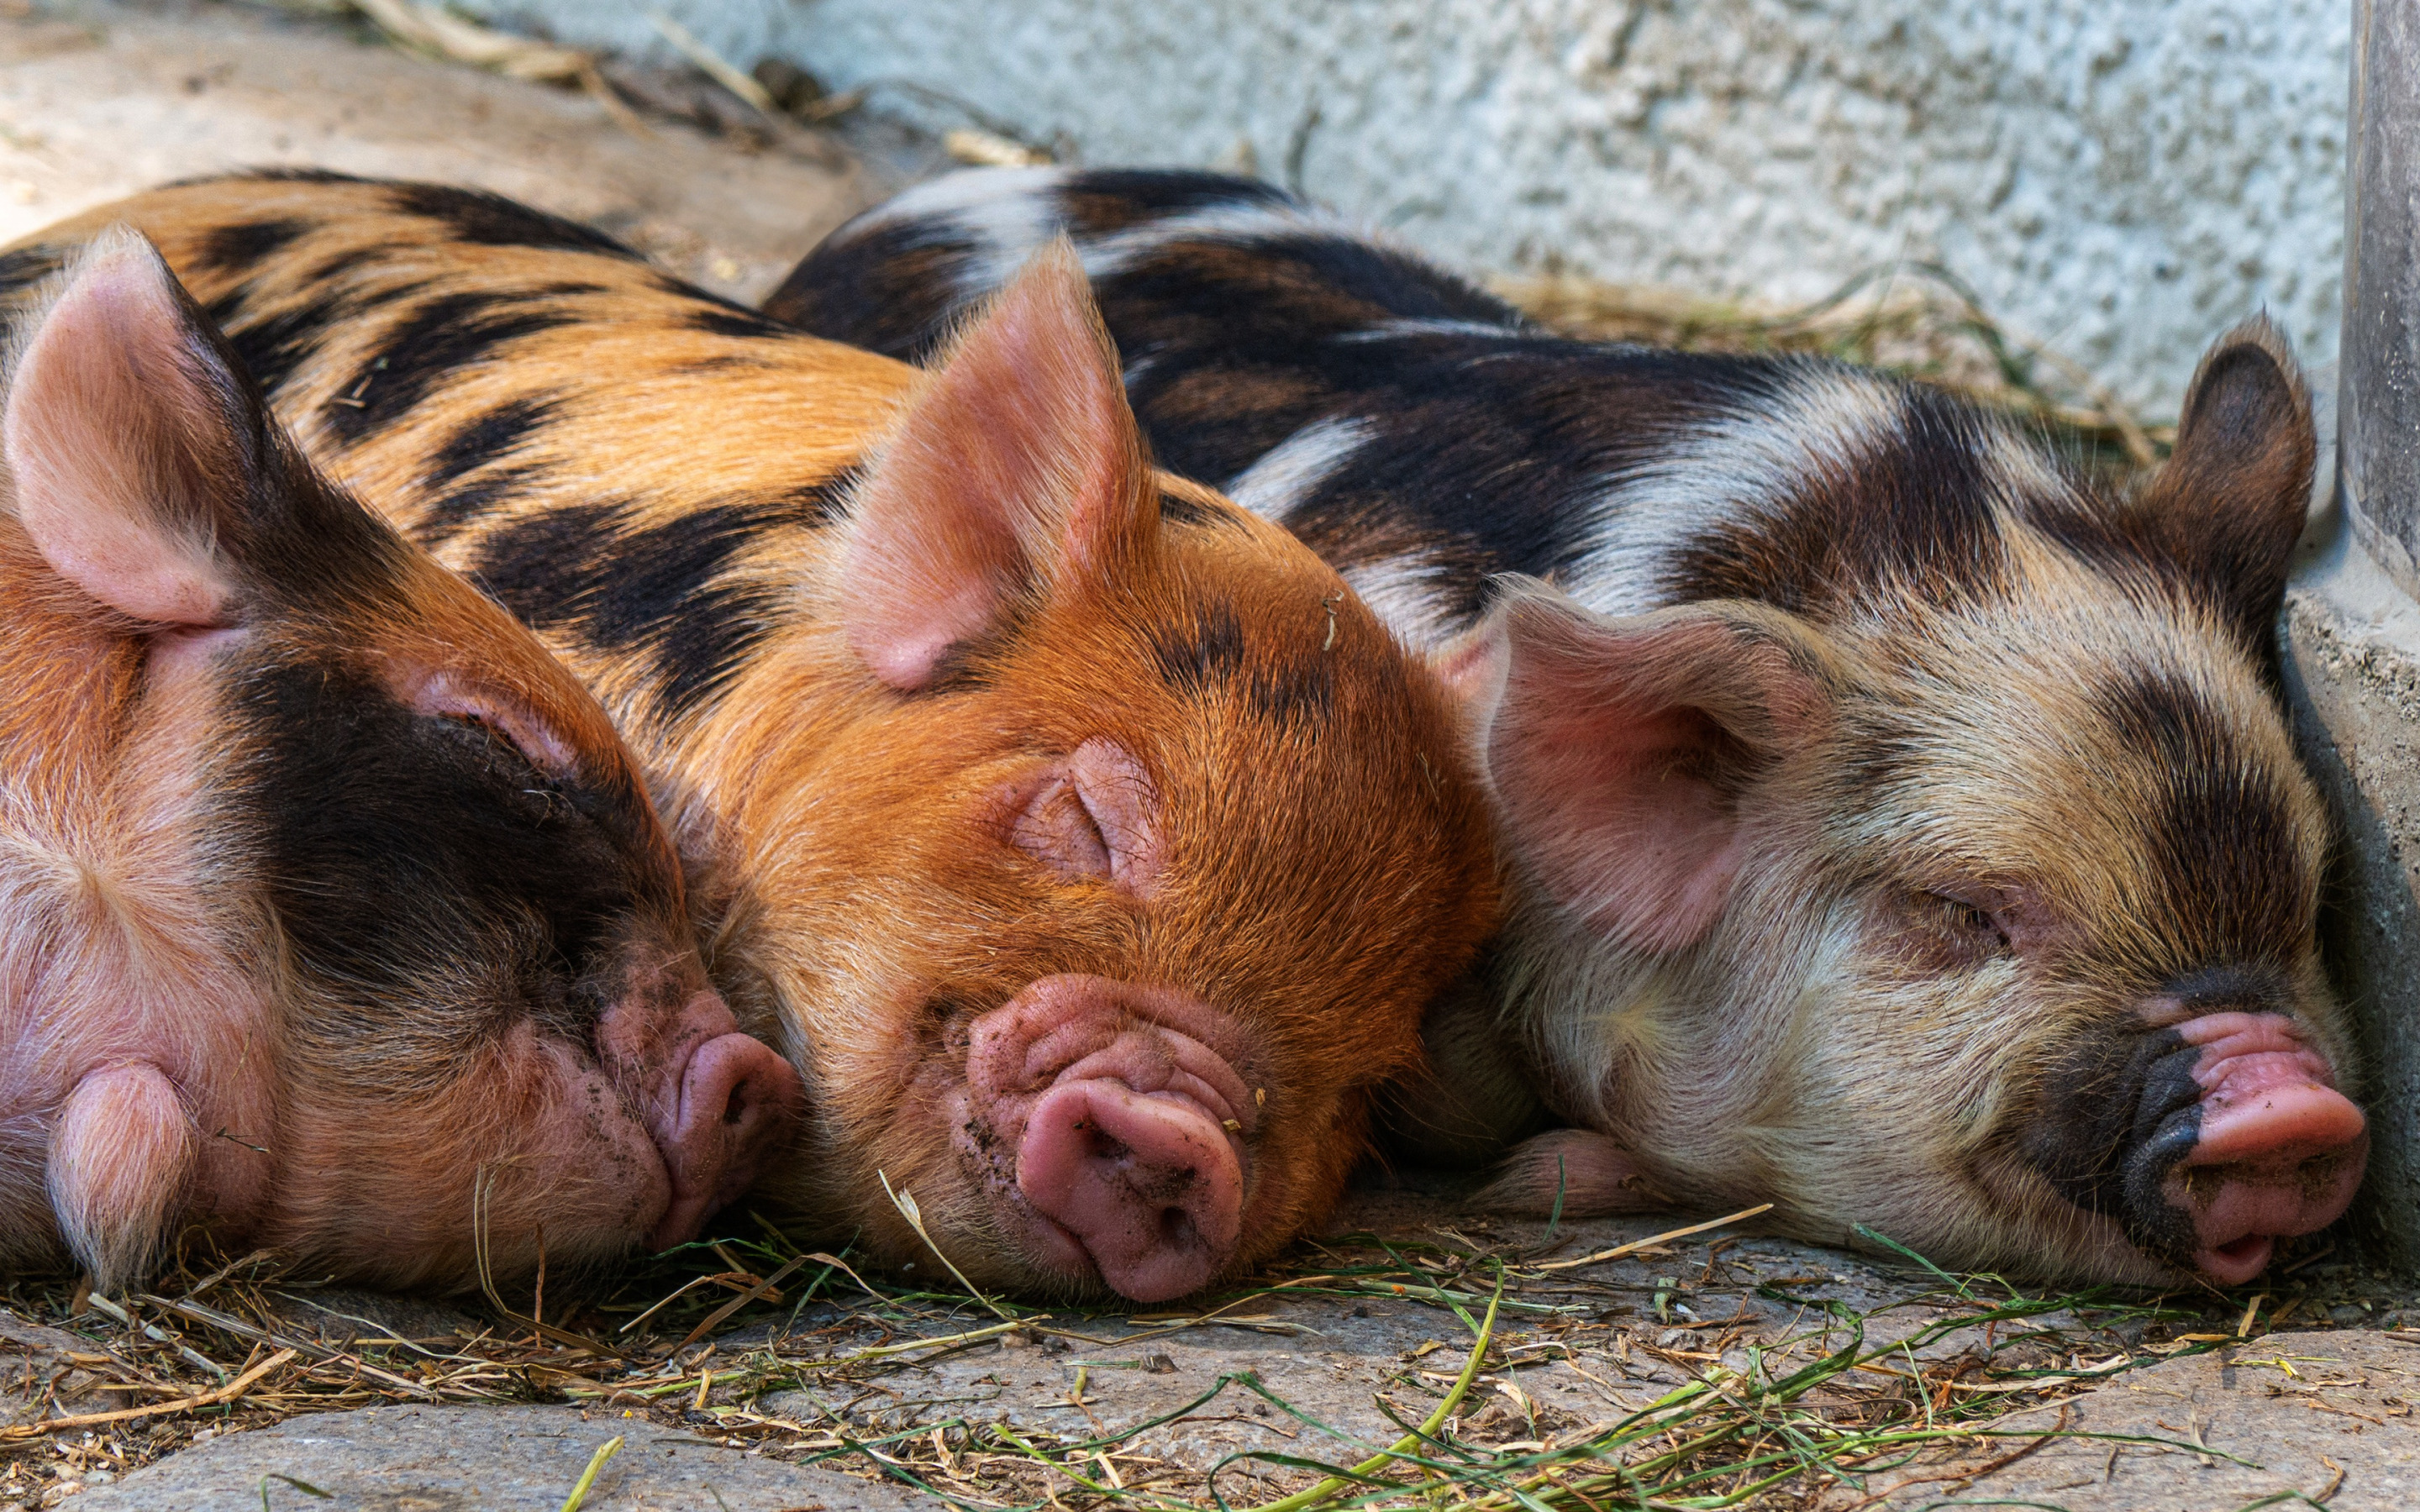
(332, 910)
(1088, 847)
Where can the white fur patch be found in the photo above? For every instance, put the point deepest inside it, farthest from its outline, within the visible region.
(1289, 471)
(1406, 329)
(1232, 225)
(970, 197)
(1008, 213)
(1412, 595)
(1728, 469)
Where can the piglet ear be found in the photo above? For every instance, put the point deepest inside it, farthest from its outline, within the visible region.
(1625, 751)
(2231, 500)
(1015, 472)
(132, 441)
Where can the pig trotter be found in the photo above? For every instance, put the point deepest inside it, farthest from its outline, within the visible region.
(121, 1162)
(1584, 1174)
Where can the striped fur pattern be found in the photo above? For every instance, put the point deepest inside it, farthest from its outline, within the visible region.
(678, 495)
(1988, 776)
(333, 917)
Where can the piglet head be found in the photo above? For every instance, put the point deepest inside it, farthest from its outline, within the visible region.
(1984, 918)
(1204, 841)
(493, 1023)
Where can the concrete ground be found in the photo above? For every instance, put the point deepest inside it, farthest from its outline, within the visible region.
(2203, 1404)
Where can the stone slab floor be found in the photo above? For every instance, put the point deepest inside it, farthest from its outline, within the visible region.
(98, 99)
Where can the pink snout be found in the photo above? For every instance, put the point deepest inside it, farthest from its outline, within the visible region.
(1147, 1184)
(1113, 1133)
(716, 1103)
(2280, 1151)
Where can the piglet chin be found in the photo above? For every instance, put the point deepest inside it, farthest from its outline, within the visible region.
(2280, 1151)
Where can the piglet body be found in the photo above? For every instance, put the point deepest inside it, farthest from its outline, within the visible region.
(333, 918)
(1084, 842)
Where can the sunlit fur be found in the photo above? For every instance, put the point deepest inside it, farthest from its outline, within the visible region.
(1325, 865)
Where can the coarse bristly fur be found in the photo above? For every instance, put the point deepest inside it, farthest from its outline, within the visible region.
(1885, 795)
(869, 634)
(330, 905)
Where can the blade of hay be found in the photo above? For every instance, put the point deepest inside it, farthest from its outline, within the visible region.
(905, 1202)
(1410, 1442)
(1619, 1250)
(761, 1289)
(588, 1477)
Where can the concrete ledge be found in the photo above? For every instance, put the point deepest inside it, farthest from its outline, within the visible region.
(2351, 643)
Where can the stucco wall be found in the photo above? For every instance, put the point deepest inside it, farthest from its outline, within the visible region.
(2121, 179)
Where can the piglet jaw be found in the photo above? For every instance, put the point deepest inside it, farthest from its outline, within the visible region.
(121, 1162)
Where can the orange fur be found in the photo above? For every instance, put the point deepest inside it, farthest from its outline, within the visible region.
(1324, 862)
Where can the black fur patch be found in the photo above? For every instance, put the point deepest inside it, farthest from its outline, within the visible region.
(246, 242)
(1910, 513)
(275, 176)
(276, 345)
(743, 327)
(458, 508)
(1103, 200)
(892, 290)
(662, 589)
(1211, 658)
(26, 267)
(404, 850)
(424, 348)
(2218, 826)
(492, 221)
(485, 438)
(1178, 509)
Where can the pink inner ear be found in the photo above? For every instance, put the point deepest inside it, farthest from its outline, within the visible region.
(1016, 468)
(116, 446)
(1612, 810)
(1616, 750)
(444, 695)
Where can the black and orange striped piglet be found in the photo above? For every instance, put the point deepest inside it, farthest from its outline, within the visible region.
(333, 917)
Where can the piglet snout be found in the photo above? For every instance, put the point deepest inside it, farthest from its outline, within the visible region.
(1123, 1130)
(2276, 1149)
(715, 1101)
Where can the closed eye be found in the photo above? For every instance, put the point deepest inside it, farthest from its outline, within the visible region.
(1933, 933)
(499, 744)
(1971, 923)
(1059, 830)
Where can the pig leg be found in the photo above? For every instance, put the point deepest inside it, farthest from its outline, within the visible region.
(1592, 1175)
(120, 1164)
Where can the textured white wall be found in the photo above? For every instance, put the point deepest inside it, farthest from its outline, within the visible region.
(2120, 178)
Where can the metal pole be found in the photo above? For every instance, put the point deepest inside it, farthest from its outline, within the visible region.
(2378, 412)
